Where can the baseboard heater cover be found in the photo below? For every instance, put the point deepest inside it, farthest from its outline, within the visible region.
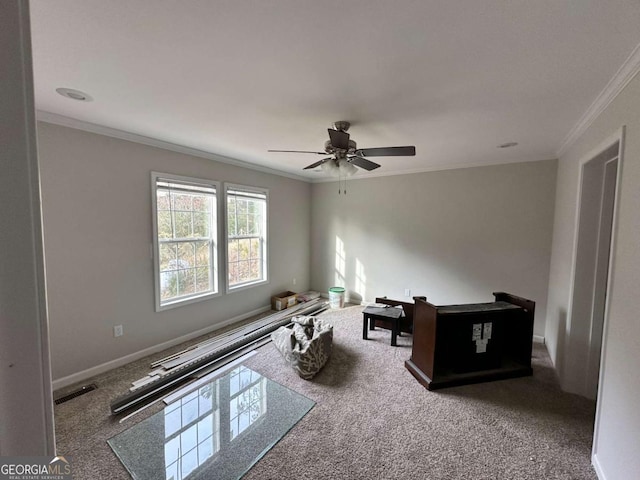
(179, 374)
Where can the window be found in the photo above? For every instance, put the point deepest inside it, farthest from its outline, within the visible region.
(246, 236)
(185, 234)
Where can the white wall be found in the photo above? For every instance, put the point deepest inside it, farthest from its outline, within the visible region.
(616, 442)
(26, 404)
(98, 230)
(455, 236)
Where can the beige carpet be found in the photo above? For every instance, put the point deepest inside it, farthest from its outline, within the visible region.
(373, 420)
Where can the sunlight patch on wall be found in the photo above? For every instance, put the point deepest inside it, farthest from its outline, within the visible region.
(361, 279)
(341, 263)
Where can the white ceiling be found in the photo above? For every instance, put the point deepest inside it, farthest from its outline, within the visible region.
(238, 77)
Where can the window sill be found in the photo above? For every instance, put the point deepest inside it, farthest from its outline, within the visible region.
(246, 286)
(186, 301)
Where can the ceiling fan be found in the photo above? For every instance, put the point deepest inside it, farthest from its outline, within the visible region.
(344, 152)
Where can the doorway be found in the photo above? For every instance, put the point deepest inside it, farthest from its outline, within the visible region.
(596, 208)
(601, 277)
(585, 350)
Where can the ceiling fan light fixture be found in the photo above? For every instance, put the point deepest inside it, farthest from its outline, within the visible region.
(331, 168)
(347, 168)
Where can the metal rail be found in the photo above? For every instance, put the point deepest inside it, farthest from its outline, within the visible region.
(180, 373)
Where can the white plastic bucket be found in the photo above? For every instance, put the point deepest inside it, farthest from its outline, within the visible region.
(336, 297)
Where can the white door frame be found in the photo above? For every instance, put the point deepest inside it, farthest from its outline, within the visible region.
(580, 371)
(26, 405)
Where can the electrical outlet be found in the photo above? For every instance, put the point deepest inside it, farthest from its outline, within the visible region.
(118, 331)
(293, 281)
(407, 292)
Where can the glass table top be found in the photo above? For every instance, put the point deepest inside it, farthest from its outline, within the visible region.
(218, 431)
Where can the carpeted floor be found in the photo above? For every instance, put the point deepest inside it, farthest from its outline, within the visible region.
(373, 420)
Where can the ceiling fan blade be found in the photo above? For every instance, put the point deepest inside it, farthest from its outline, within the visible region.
(316, 164)
(339, 139)
(363, 163)
(296, 151)
(387, 152)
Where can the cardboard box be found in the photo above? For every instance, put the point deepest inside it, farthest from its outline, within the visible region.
(283, 300)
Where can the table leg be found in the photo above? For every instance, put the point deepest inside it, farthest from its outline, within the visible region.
(364, 327)
(394, 332)
(372, 323)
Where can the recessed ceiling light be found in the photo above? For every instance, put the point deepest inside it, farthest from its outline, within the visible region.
(508, 145)
(74, 94)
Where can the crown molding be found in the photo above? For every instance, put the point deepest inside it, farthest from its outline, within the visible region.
(61, 120)
(623, 76)
(56, 119)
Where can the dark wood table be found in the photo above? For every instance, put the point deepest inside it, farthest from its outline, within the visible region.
(388, 313)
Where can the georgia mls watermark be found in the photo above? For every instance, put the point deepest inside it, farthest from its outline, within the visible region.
(35, 468)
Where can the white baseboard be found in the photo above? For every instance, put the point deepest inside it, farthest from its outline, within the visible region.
(597, 467)
(119, 362)
(538, 339)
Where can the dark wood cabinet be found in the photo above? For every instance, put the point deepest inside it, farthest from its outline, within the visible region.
(470, 343)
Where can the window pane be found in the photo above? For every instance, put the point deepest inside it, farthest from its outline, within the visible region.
(243, 249)
(186, 255)
(164, 225)
(162, 199)
(203, 252)
(233, 274)
(243, 271)
(255, 248)
(189, 462)
(233, 251)
(257, 224)
(202, 279)
(201, 224)
(254, 266)
(205, 449)
(182, 201)
(186, 282)
(172, 423)
(231, 216)
(242, 224)
(232, 226)
(252, 225)
(168, 256)
(168, 285)
(200, 203)
(205, 397)
(172, 472)
(183, 224)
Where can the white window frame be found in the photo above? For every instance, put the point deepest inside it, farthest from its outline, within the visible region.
(215, 235)
(265, 236)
